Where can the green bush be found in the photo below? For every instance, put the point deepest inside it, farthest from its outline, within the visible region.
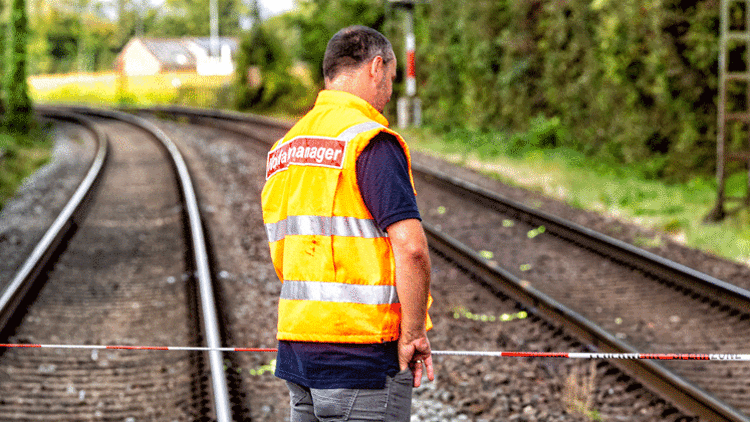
(277, 88)
(22, 155)
(624, 81)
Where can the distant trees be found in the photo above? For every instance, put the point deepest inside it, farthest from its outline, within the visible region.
(190, 17)
(82, 35)
(270, 49)
(630, 81)
(61, 42)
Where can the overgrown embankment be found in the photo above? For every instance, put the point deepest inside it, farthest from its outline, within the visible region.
(20, 156)
(627, 81)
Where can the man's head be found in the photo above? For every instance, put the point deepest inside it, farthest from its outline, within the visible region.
(360, 60)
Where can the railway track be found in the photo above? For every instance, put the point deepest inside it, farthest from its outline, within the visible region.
(569, 317)
(569, 276)
(124, 264)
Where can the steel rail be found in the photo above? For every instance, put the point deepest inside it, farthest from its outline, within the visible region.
(655, 376)
(690, 280)
(203, 271)
(16, 290)
(215, 114)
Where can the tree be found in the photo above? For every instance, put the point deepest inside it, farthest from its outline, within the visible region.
(264, 78)
(18, 113)
(189, 17)
(2, 60)
(260, 54)
(318, 20)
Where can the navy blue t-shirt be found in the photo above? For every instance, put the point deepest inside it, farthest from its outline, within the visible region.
(385, 186)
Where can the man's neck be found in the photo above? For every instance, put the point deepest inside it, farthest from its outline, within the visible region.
(351, 84)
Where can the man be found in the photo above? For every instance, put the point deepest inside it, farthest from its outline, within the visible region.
(346, 240)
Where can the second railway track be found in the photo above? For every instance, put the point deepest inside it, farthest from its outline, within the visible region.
(482, 230)
(637, 300)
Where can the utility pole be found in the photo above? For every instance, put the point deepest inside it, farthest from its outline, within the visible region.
(141, 29)
(82, 12)
(214, 12)
(410, 106)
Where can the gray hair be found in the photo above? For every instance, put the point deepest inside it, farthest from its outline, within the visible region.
(353, 46)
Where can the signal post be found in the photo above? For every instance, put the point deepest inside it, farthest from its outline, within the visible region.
(410, 106)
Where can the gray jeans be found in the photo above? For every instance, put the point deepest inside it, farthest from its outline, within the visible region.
(391, 404)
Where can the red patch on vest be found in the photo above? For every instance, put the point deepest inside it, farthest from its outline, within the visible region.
(306, 151)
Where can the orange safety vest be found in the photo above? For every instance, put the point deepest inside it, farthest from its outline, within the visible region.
(335, 263)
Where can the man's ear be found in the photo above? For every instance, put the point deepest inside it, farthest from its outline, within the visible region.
(376, 65)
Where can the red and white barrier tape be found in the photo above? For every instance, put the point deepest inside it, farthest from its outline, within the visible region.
(120, 347)
(565, 355)
(572, 355)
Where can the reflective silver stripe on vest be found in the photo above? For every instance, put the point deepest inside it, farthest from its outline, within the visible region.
(352, 132)
(308, 225)
(339, 292)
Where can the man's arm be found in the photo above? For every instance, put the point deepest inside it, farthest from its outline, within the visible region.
(413, 286)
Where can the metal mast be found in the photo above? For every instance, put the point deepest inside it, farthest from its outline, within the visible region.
(730, 37)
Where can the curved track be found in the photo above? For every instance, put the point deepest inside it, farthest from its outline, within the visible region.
(127, 274)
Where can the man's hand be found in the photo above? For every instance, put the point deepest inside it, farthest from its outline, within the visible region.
(413, 354)
(413, 286)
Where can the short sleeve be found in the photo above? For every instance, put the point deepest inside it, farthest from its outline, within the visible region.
(384, 182)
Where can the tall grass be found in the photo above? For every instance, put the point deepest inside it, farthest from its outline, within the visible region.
(579, 392)
(110, 88)
(676, 211)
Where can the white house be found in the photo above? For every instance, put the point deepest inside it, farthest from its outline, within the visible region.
(149, 56)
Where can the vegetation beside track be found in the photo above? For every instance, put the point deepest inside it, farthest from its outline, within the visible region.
(20, 156)
(673, 210)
